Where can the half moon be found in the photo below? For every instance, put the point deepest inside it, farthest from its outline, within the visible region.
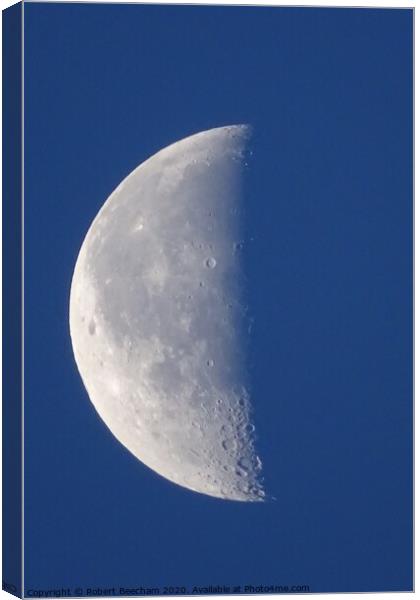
(157, 318)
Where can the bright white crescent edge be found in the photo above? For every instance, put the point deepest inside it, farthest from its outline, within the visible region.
(157, 319)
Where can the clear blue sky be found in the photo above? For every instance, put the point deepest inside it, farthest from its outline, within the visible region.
(329, 208)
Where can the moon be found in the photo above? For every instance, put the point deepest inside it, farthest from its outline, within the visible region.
(158, 321)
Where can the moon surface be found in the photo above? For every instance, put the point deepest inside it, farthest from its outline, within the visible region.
(158, 321)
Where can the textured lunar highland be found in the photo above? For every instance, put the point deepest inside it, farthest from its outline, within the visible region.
(157, 317)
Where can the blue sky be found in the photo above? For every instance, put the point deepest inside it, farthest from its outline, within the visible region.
(329, 212)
